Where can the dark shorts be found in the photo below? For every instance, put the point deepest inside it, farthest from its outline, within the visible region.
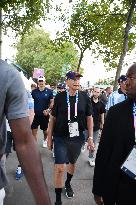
(40, 120)
(67, 150)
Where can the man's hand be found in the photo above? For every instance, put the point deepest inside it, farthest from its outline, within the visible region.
(90, 145)
(46, 112)
(98, 200)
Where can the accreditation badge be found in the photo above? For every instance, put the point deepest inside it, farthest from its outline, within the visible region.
(73, 129)
(129, 166)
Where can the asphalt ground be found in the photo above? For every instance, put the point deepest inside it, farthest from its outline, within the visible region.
(18, 192)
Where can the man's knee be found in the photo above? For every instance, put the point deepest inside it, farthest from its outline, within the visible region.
(59, 169)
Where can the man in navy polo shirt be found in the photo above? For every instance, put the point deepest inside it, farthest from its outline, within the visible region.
(43, 101)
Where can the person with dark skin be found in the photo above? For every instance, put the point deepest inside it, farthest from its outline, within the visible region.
(13, 106)
(112, 182)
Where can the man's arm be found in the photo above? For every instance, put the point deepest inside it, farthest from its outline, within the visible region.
(51, 103)
(47, 111)
(50, 131)
(30, 160)
(90, 132)
(101, 121)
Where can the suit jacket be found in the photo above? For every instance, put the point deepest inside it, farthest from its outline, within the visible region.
(117, 140)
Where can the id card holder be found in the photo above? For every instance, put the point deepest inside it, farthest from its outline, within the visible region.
(73, 129)
(129, 166)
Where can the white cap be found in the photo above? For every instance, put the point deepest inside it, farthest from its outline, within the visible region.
(41, 78)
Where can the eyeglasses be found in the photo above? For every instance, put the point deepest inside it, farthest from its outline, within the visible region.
(40, 81)
(75, 79)
(131, 78)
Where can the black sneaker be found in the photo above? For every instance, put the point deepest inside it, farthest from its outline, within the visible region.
(58, 203)
(69, 191)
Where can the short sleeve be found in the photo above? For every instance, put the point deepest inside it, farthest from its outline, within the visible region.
(16, 98)
(102, 110)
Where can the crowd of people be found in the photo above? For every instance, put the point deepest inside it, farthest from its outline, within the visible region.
(69, 118)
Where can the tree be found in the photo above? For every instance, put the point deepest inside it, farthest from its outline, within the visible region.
(83, 27)
(37, 50)
(125, 40)
(117, 38)
(108, 81)
(99, 26)
(21, 15)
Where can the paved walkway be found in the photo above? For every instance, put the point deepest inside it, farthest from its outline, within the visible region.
(82, 181)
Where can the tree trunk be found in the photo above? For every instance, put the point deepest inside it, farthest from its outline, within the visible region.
(0, 32)
(80, 60)
(125, 42)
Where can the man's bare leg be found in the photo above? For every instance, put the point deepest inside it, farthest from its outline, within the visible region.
(34, 132)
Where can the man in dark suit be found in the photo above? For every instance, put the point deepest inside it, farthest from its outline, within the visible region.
(111, 185)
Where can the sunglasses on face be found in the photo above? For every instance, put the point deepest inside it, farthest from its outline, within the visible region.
(40, 81)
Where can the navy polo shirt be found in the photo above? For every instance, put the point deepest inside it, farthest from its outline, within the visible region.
(41, 100)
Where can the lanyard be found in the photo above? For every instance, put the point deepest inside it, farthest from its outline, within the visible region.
(68, 103)
(134, 114)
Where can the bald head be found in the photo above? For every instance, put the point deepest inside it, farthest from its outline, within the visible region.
(131, 82)
(132, 69)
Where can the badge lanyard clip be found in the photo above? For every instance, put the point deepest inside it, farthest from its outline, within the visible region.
(134, 114)
(68, 103)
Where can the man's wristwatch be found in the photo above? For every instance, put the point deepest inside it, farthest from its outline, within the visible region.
(90, 138)
(49, 109)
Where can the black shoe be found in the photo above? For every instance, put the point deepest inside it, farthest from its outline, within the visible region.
(69, 191)
(58, 203)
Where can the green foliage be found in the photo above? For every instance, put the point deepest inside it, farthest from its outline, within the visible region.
(99, 26)
(84, 26)
(111, 36)
(21, 15)
(105, 82)
(37, 50)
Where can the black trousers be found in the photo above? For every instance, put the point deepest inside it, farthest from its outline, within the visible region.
(125, 194)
